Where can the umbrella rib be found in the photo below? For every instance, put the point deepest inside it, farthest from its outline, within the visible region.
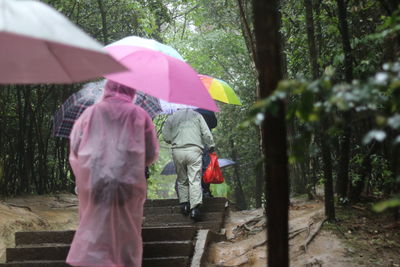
(59, 61)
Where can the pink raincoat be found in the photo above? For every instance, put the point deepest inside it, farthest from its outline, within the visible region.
(111, 143)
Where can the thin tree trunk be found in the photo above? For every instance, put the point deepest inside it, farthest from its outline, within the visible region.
(266, 25)
(343, 172)
(251, 48)
(103, 21)
(247, 34)
(259, 174)
(312, 48)
(239, 194)
(313, 58)
(327, 169)
(322, 134)
(344, 31)
(259, 185)
(22, 186)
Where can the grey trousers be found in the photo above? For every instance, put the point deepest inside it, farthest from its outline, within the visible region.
(188, 162)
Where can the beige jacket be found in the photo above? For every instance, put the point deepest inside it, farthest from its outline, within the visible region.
(187, 128)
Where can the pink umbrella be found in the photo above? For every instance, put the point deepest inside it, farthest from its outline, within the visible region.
(160, 75)
(40, 45)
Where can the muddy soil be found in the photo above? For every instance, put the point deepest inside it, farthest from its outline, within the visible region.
(246, 239)
(57, 212)
(359, 238)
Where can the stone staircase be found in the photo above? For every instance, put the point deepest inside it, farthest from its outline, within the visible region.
(169, 238)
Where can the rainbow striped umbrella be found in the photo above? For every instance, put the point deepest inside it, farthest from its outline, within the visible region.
(220, 90)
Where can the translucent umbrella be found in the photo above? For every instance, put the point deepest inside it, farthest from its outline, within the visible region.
(91, 93)
(40, 45)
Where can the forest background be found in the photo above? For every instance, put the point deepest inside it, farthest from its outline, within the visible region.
(341, 89)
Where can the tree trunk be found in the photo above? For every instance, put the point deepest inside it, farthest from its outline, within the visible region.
(246, 31)
(343, 172)
(21, 187)
(312, 48)
(259, 185)
(344, 31)
(259, 174)
(103, 21)
(266, 25)
(344, 157)
(239, 194)
(313, 58)
(318, 29)
(327, 170)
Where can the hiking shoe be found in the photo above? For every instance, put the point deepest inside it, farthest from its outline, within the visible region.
(185, 208)
(195, 214)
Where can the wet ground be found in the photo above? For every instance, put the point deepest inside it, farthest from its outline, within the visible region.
(360, 238)
(58, 212)
(246, 234)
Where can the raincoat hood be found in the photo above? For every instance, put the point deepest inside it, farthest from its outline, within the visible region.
(116, 89)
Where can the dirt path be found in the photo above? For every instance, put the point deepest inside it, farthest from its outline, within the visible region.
(245, 233)
(57, 212)
(246, 245)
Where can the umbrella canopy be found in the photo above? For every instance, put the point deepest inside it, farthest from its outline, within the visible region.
(40, 45)
(125, 45)
(169, 168)
(129, 44)
(220, 90)
(169, 108)
(225, 163)
(91, 93)
(160, 75)
(209, 117)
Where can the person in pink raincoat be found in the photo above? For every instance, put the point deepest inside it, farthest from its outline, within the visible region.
(110, 145)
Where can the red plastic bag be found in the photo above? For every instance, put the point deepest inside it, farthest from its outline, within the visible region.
(213, 174)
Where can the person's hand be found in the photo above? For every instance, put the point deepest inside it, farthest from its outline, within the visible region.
(211, 149)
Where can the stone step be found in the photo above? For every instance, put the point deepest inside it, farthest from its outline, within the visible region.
(48, 252)
(168, 237)
(147, 262)
(167, 249)
(57, 252)
(165, 233)
(65, 237)
(175, 202)
(166, 219)
(148, 211)
(214, 226)
(35, 264)
(166, 262)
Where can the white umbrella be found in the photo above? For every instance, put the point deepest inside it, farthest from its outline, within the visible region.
(169, 107)
(40, 45)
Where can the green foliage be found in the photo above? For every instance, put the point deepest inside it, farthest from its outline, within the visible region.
(220, 190)
(210, 36)
(383, 205)
(309, 102)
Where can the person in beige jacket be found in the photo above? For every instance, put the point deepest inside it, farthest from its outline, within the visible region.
(188, 134)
